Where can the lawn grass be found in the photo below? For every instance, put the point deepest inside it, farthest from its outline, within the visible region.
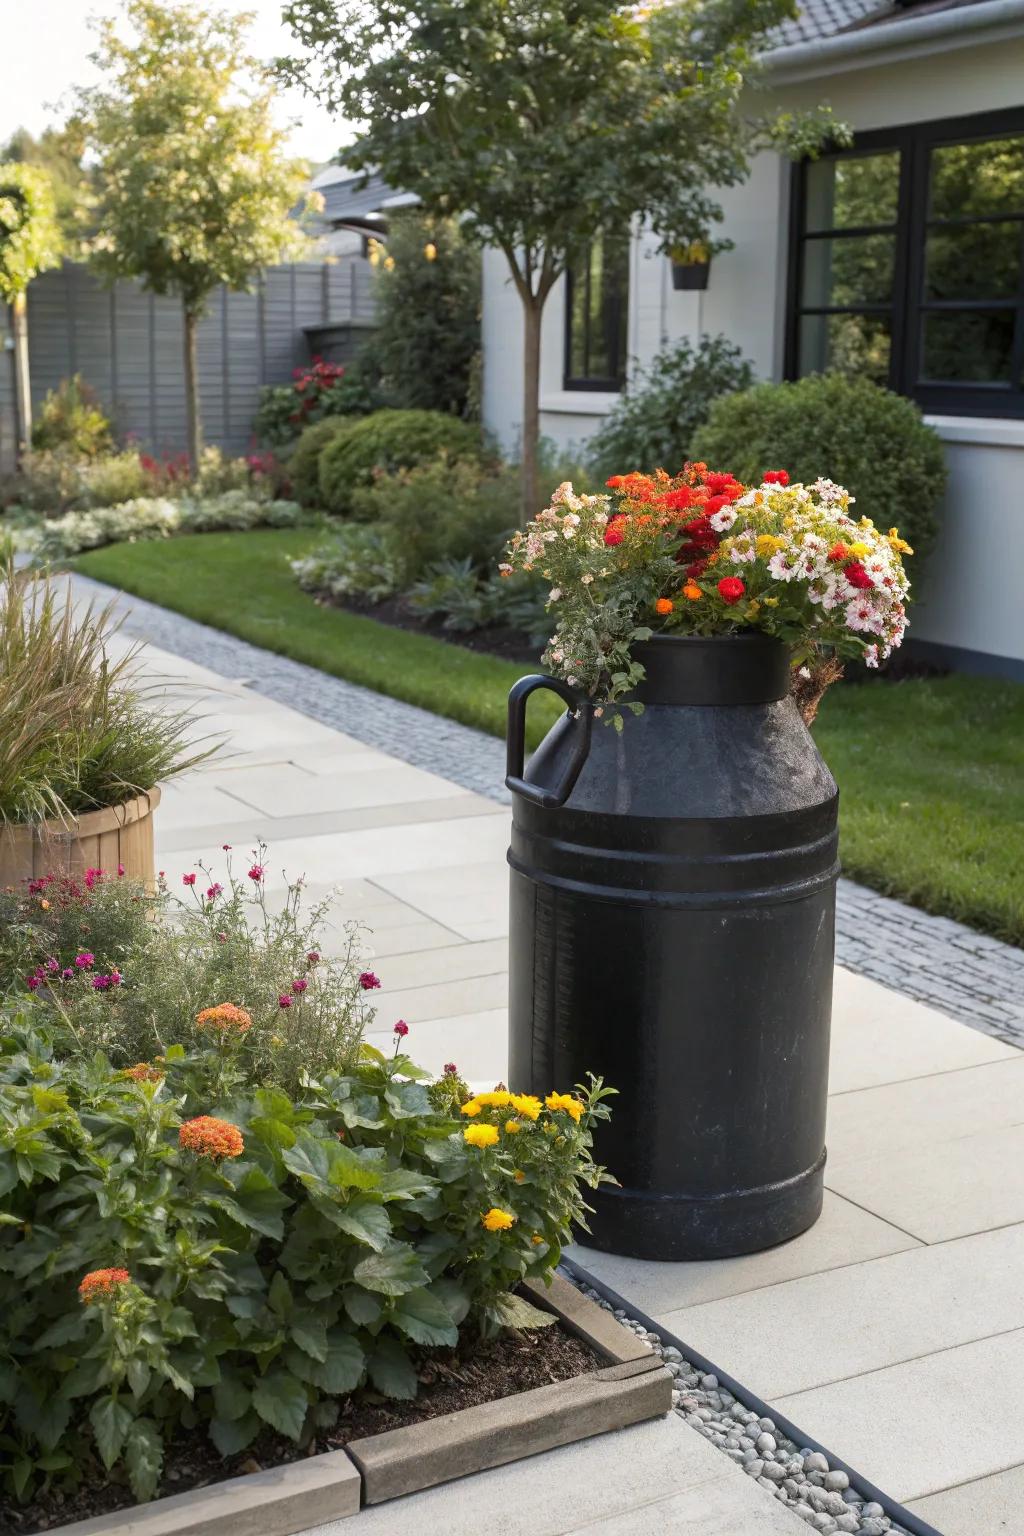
(931, 771)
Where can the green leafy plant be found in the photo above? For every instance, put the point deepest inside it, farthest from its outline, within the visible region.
(238, 1264)
(304, 458)
(132, 973)
(360, 561)
(867, 438)
(655, 420)
(385, 442)
(71, 417)
(78, 730)
(320, 391)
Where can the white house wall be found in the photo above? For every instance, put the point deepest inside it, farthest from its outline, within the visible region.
(967, 602)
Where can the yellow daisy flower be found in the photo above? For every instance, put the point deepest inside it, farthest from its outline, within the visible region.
(566, 1101)
(525, 1104)
(481, 1135)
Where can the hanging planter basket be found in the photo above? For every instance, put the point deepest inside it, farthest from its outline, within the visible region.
(690, 275)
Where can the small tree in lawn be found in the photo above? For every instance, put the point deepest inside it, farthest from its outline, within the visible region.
(30, 241)
(544, 125)
(192, 182)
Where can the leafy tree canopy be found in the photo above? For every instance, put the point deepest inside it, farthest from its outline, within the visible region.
(58, 152)
(30, 239)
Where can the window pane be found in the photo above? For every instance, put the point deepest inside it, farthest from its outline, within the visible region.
(850, 343)
(856, 269)
(597, 326)
(577, 362)
(968, 347)
(969, 180)
(973, 261)
(851, 190)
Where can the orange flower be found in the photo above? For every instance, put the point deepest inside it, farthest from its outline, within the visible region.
(142, 1072)
(226, 1018)
(692, 591)
(99, 1284)
(208, 1137)
(663, 605)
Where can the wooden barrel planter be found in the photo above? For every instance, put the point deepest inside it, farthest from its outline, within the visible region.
(116, 837)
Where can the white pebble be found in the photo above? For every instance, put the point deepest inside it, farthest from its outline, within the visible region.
(814, 1461)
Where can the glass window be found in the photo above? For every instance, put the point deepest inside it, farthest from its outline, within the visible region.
(909, 263)
(596, 315)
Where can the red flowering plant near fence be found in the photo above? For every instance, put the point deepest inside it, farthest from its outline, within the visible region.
(699, 553)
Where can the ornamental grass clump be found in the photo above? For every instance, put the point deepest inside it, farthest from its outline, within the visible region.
(78, 729)
(183, 1258)
(702, 554)
(206, 961)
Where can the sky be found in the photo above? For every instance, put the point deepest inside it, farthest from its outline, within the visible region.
(46, 51)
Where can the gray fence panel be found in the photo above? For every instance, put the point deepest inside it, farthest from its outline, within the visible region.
(128, 345)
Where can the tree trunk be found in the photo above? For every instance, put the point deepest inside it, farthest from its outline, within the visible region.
(192, 410)
(22, 389)
(532, 310)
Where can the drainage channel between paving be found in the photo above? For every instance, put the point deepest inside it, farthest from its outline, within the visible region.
(790, 1465)
(968, 976)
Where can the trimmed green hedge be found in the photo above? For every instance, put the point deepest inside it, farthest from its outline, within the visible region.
(304, 460)
(389, 441)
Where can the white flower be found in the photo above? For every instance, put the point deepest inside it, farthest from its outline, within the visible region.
(554, 594)
(586, 579)
(743, 549)
(562, 493)
(804, 672)
(861, 614)
(783, 564)
(723, 520)
(871, 655)
(568, 532)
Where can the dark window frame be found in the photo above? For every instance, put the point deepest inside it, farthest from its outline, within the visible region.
(616, 325)
(914, 142)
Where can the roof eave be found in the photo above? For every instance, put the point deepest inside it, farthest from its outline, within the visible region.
(864, 47)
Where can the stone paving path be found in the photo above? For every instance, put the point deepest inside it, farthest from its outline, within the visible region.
(892, 1331)
(967, 975)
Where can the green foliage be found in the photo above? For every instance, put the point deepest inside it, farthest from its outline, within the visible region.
(358, 561)
(655, 420)
(385, 442)
(866, 438)
(161, 959)
(30, 238)
(77, 729)
(465, 599)
(322, 390)
(156, 517)
(71, 417)
(427, 338)
(57, 152)
(158, 1276)
(304, 460)
(192, 181)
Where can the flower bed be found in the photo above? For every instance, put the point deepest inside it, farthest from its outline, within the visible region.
(222, 1215)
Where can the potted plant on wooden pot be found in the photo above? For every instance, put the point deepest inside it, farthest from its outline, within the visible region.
(83, 743)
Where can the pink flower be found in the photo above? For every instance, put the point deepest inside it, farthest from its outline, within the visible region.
(367, 980)
(84, 960)
(214, 891)
(67, 973)
(101, 983)
(313, 958)
(256, 873)
(53, 965)
(450, 1069)
(226, 847)
(299, 985)
(401, 1029)
(222, 938)
(188, 879)
(284, 1001)
(32, 982)
(120, 871)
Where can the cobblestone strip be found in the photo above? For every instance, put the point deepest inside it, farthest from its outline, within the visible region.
(967, 975)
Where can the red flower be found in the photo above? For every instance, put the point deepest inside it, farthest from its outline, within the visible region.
(697, 567)
(731, 589)
(678, 500)
(256, 873)
(367, 980)
(857, 576)
(613, 533)
(98, 1284)
(313, 958)
(299, 985)
(284, 1001)
(838, 553)
(776, 477)
(188, 879)
(401, 1029)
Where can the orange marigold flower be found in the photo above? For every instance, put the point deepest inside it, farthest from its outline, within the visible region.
(692, 592)
(226, 1018)
(98, 1284)
(142, 1072)
(663, 605)
(496, 1220)
(207, 1136)
(536, 1239)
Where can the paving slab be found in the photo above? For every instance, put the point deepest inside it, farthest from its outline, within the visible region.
(861, 1317)
(927, 1424)
(599, 1485)
(990, 1505)
(474, 1041)
(843, 1234)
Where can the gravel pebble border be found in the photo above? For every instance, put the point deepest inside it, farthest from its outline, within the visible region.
(799, 1476)
(969, 976)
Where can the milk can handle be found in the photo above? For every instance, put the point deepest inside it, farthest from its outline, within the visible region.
(582, 711)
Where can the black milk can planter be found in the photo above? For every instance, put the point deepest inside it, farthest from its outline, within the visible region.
(673, 929)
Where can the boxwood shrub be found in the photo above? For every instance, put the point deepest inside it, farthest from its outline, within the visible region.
(389, 441)
(304, 459)
(870, 440)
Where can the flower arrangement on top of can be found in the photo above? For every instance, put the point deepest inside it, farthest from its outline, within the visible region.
(699, 553)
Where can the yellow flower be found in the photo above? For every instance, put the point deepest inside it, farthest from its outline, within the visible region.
(430, 251)
(499, 1099)
(768, 543)
(497, 1220)
(753, 608)
(860, 549)
(566, 1101)
(470, 1108)
(526, 1104)
(513, 1127)
(895, 542)
(481, 1135)
(519, 1175)
(44, 905)
(770, 602)
(536, 1239)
